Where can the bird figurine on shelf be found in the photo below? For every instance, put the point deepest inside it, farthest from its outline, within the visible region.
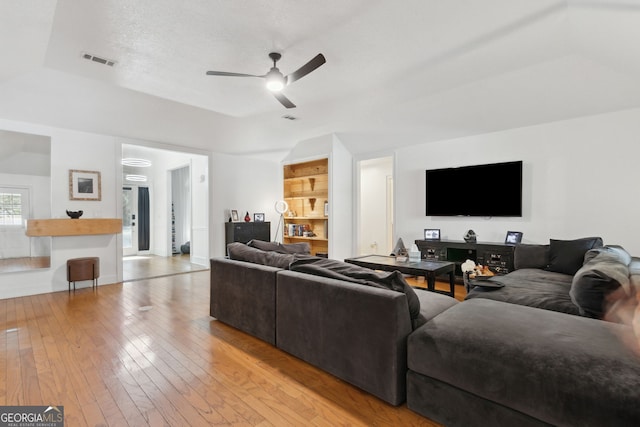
(74, 214)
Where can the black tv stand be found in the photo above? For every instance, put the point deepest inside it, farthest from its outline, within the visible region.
(497, 256)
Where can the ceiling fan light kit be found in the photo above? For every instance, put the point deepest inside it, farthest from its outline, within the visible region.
(275, 80)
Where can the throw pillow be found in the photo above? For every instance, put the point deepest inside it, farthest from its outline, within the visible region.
(614, 251)
(335, 269)
(567, 256)
(241, 252)
(600, 276)
(530, 256)
(287, 248)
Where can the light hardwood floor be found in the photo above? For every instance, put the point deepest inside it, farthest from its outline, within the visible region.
(149, 266)
(147, 353)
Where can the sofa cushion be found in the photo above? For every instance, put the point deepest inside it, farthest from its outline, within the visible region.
(335, 269)
(287, 248)
(241, 252)
(530, 256)
(564, 370)
(431, 304)
(605, 271)
(532, 287)
(567, 256)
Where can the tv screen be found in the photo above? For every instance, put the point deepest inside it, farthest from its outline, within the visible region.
(479, 190)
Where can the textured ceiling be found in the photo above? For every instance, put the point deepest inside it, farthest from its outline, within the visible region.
(397, 73)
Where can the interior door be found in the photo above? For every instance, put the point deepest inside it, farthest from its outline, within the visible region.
(375, 198)
(129, 215)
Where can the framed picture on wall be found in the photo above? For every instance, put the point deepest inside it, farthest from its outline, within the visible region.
(84, 185)
(431, 234)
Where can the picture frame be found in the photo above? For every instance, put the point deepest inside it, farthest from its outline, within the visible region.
(432, 234)
(234, 215)
(513, 237)
(85, 185)
(258, 217)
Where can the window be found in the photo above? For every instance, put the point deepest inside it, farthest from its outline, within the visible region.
(13, 206)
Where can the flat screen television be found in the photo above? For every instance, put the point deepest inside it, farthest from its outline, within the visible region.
(479, 190)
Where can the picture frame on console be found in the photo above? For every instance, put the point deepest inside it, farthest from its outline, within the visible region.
(432, 234)
(234, 215)
(258, 217)
(513, 237)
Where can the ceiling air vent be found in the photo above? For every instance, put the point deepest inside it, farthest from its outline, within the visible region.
(94, 58)
(288, 117)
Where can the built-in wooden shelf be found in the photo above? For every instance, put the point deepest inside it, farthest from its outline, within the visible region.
(73, 227)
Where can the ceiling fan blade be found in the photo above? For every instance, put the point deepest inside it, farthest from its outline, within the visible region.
(317, 61)
(224, 73)
(284, 100)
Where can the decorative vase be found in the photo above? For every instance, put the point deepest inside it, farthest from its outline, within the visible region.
(74, 214)
(247, 218)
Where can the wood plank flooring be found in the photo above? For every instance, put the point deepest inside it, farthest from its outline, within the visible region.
(149, 266)
(147, 353)
(460, 291)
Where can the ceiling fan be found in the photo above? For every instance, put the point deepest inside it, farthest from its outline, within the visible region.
(275, 80)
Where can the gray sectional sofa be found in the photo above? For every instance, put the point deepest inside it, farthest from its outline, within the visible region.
(535, 352)
(347, 320)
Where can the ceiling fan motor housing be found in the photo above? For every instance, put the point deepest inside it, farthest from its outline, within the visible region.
(275, 57)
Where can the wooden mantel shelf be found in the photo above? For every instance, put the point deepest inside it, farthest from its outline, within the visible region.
(73, 227)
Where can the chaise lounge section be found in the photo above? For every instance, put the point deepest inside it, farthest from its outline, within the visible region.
(490, 363)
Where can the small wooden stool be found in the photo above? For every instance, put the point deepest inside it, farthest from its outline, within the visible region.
(79, 269)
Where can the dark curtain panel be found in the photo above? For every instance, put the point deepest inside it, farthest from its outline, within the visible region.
(143, 219)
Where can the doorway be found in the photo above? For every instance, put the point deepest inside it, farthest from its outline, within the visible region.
(129, 213)
(181, 210)
(135, 219)
(174, 216)
(375, 206)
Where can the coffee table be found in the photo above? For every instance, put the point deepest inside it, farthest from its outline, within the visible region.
(428, 269)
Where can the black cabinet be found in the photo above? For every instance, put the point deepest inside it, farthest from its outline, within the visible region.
(245, 231)
(497, 256)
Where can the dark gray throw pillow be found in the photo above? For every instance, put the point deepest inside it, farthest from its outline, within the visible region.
(530, 256)
(598, 277)
(340, 270)
(567, 256)
(241, 252)
(286, 248)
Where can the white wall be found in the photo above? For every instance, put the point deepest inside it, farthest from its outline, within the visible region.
(580, 179)
(71, 150)
(341, 202)
(200, 210)
(245, 184)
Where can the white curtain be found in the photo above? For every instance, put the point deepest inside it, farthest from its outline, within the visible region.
(181, 199)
